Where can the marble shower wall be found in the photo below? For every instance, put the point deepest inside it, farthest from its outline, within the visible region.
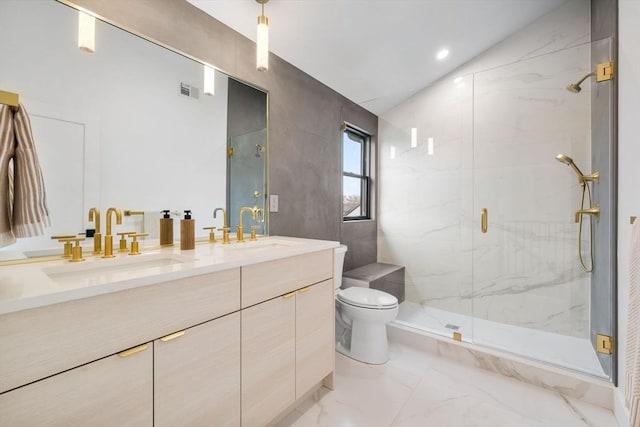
(495, 126)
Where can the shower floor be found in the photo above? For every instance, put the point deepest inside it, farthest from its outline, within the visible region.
(560, 350)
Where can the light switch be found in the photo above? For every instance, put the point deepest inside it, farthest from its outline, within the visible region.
(273, 203)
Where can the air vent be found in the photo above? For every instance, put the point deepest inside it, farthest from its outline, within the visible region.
(190, 91)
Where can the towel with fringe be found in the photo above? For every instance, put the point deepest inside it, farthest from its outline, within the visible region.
(632, 355)
(23, 206)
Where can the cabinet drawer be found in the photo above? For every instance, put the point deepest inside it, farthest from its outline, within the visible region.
(43, 341)
(266, 280)
(115, 391)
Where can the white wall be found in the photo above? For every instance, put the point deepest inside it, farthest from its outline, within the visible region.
(628, 170)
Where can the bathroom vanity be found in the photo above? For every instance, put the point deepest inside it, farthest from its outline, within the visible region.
(223, 335)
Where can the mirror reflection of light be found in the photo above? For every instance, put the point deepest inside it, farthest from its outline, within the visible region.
(392, 152)
(442, 54)
(209, 80)
(414, 137)
(430, 146)
(458, 80)
(86, 32)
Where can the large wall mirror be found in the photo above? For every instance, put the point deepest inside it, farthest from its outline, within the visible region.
(129, 126)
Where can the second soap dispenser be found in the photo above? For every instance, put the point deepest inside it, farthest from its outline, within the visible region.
(187, 232)
(166, 229)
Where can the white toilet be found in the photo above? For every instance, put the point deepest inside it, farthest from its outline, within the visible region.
(361, 318)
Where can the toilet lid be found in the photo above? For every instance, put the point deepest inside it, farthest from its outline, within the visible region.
(367, 297)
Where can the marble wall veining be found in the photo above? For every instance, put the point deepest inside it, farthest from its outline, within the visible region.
(495, 127)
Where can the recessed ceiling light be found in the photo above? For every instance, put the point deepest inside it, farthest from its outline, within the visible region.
(443, 53)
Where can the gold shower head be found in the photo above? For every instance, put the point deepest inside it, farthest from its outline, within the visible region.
(575, 87)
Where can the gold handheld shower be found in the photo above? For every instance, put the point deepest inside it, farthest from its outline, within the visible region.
(590, 210)
(563, 158)
(575, 87)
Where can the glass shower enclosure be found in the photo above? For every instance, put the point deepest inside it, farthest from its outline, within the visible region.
(483, 217)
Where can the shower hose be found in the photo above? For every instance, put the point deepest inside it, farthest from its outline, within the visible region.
(589, 269)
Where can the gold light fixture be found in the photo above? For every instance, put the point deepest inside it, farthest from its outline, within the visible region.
(262, 40)
(86, 32)
(209, 80)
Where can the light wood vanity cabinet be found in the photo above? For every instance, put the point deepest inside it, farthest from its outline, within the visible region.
(315, 345)
(287, 349)
(197, 375)
(114, 391)
(268, 359)
(220, 351)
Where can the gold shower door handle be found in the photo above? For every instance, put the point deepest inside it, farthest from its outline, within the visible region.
(484, 220)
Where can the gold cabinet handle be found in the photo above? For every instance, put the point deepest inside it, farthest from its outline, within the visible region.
(133, 350)
(289, 295)
(305, 289)
(173, 336)
(484, 220)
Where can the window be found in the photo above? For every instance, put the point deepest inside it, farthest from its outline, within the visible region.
(356, 179)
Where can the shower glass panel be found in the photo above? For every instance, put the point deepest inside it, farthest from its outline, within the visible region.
(425, 209)
(247, 178)
(530, 295)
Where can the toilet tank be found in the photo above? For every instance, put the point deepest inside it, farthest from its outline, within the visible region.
(338, 264)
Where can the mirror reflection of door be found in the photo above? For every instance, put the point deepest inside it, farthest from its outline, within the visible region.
(247, 151)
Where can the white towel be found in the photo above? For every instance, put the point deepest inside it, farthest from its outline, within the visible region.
(633, 329)
(152, 224)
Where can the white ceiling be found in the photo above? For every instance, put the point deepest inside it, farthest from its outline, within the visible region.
(379, 52)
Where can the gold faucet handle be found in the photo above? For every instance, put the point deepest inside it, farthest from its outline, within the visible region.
(212, 236)
(225, 235)
(123, 239)
(135, 245)
(68, 246)
(253, 232)
(76, 251)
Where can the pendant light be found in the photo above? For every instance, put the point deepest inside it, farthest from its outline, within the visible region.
(262, 40)
(86, 32)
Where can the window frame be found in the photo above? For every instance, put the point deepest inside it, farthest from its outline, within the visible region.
(365, 177)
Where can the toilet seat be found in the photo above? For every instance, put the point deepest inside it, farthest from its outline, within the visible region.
(367, 298)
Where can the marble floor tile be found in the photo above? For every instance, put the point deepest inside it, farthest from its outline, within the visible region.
(424, 390)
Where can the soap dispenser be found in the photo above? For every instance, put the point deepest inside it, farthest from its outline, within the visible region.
(187, 232)
(166, 229)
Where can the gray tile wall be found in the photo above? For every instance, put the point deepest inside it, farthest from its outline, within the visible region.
(304, 118)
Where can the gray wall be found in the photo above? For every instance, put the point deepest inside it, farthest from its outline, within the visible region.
(304, 118)
(604, 155)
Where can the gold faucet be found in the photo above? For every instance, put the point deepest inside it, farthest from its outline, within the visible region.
(97, 236)
(225, 225)
(595, 211)
(240, 233)
(108, 239)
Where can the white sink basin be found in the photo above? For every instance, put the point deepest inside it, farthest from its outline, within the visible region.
(94, 269)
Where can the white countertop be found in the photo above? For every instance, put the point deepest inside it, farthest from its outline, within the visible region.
(37, 284)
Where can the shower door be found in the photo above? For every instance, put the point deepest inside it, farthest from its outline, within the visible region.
(247, 178)
(530, 295)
